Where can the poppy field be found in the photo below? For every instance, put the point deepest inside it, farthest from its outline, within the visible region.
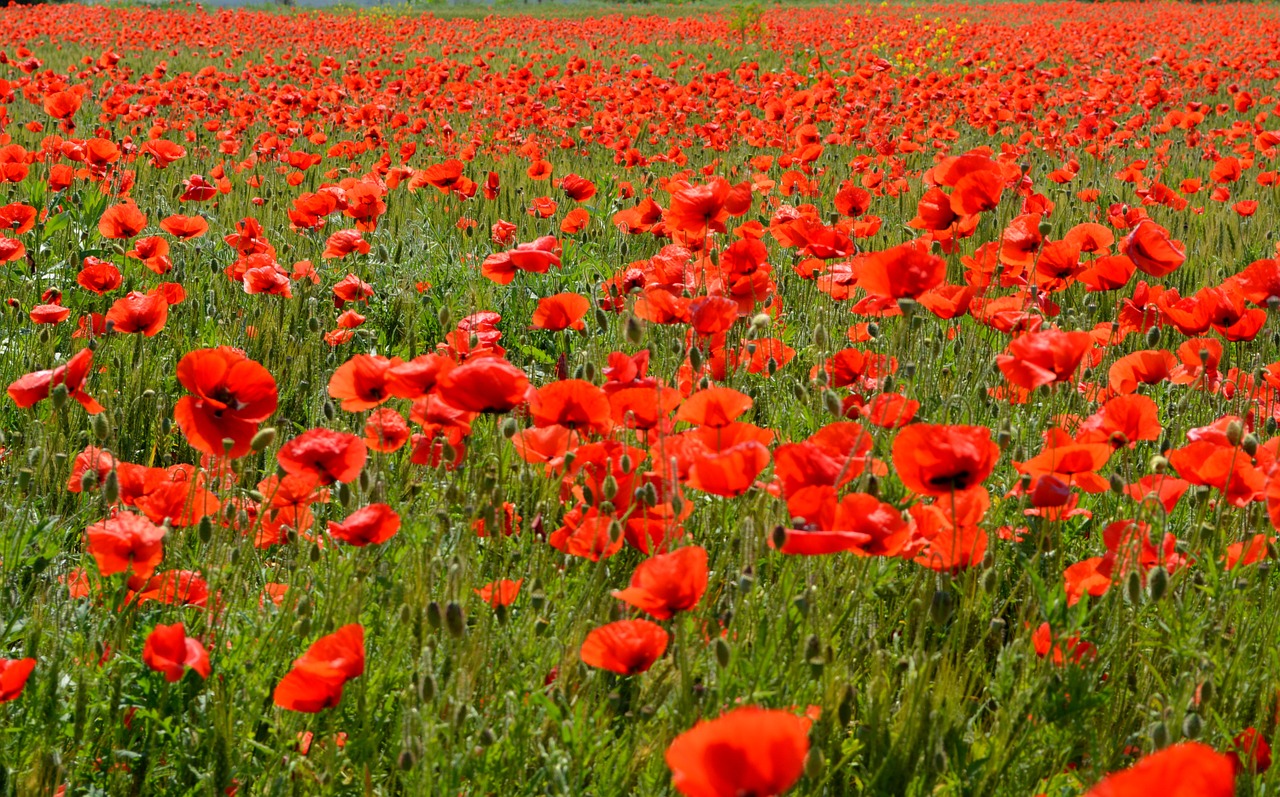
(876, 400)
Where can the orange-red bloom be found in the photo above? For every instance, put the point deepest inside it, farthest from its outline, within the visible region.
(170, 651)
(755, 751)
(627, 647)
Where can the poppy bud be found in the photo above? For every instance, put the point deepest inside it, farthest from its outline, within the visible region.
(677, 347)
(634, 330)
(101, 427)
(779, 536)
(832, 403)
(509, 427)
(722, 652)
(887, 387)
(88, 480)
(1204, 356)
(205, 529)
(540, 626)
(1133, 588)
(1206, 691)
(745, 582)
(344, 494)
(798, 391)
(941, 606)
(908, 371)
(453, 620)
(625, 464)
(990, 579)
(1160, 736)
(110, 487)
(609, 487)
(695, 359)
(445, 317)
(602, 319)
(328, 410)
(820, 336)
(1191, 725)
(434, 616)
(1004, 437)
(873, 485)
(406, 759)
(1249, 444)
(1116, 483)
(813, 764)
(58, 396)
(1235, 433)
(997, 628)
(315, 553)
(1157, 583)
(263, 439)
(873, 330)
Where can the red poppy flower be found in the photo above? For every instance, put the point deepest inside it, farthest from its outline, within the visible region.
(361, 382)
(61, 104)
(318, 676)
(500, 593)
(939, 460)
(49, 314)
(561, 311)
(170, 651)
(714, 406)
(1189, 769)
(1152, 251)
(139, 312)
(572, 403)
(231, 396)
(1043, 358)
(328, 455)
(370, 525)
(13, 677)
(126, 542)
(905, 271)
(343, 243)
(1250, 752)
(487, 384)
(122, 221)
(729, 472)
(385, 430)
(749, 750)
(627, 647)
(184, 227)
(99, 276)
(27, 390)
(665, 584)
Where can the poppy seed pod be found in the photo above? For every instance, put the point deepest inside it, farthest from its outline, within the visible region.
(722, 652)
